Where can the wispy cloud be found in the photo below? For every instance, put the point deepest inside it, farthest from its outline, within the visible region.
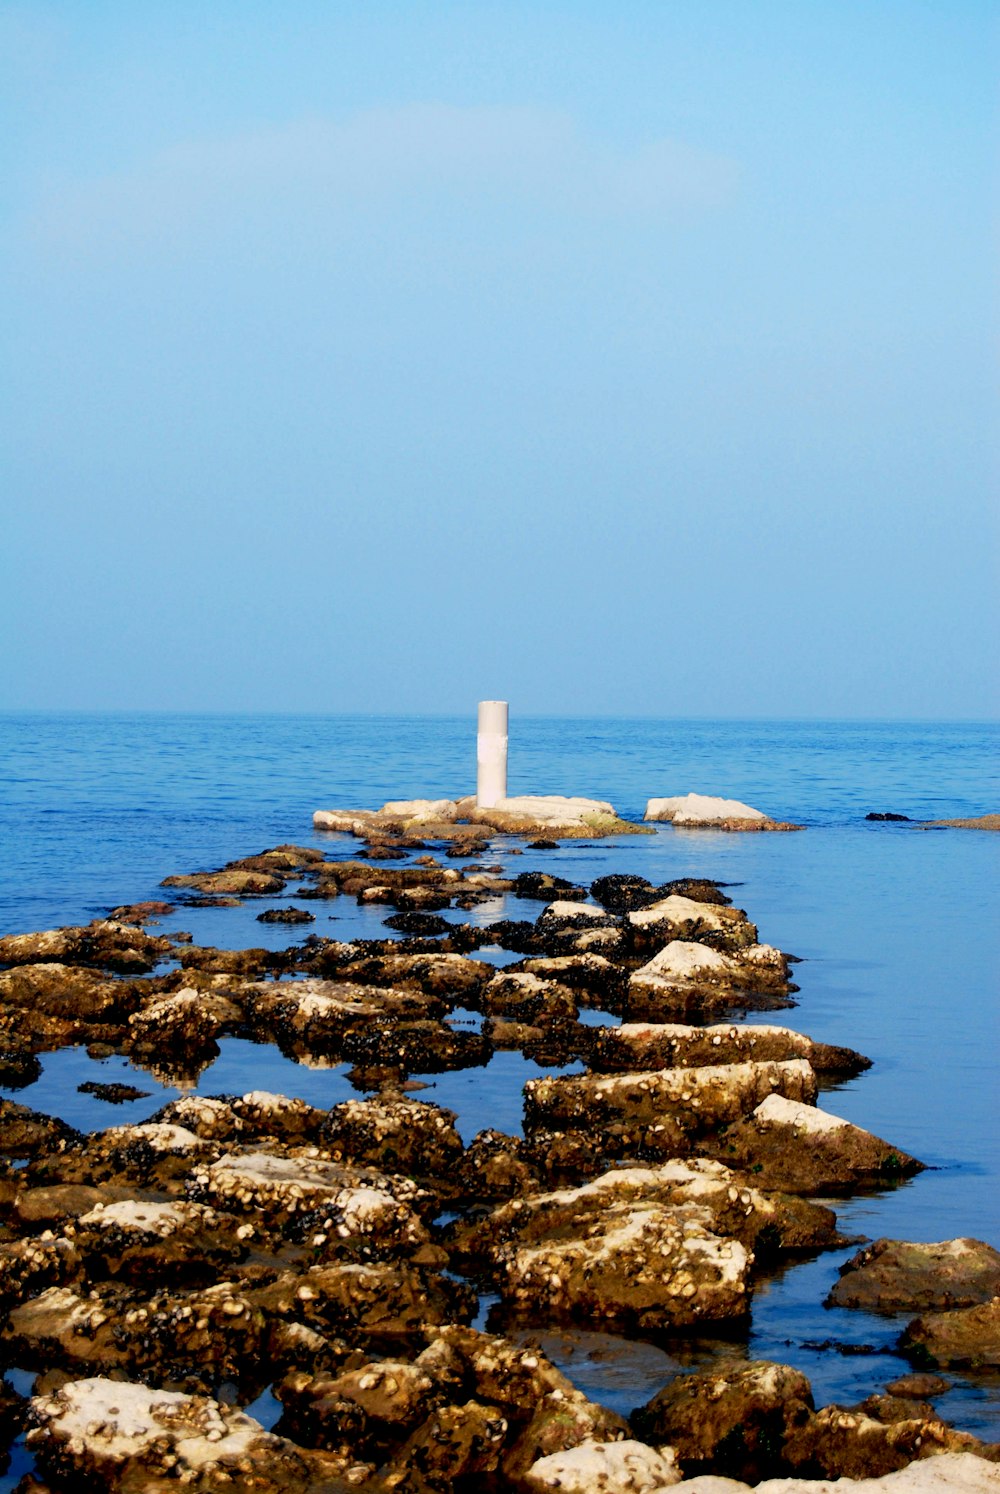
(528, 159)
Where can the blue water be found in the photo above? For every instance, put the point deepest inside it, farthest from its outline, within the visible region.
(896, 926)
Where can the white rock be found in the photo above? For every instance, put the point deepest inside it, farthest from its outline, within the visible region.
(561, 910)
(353, 821)
(946, 1473)
(552, 810)
(776, 1110)
(605, 1468)
(676, 909)
(420, 810)
(700, 809)
(681, 960)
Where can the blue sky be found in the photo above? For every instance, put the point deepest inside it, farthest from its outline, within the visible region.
(633, 358)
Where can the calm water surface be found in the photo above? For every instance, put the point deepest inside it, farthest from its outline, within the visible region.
(896, 927)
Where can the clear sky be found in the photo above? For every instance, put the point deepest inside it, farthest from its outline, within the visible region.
(620, 357)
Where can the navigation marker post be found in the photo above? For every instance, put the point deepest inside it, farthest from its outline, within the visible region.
(491, 754)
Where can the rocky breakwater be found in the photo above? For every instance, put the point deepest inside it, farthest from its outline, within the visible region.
(156, 1278)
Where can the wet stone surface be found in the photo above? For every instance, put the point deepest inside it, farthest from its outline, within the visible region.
(159, 1275)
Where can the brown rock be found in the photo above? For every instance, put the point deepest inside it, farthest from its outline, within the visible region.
(732, 1421)
(897, 1275)
(968, 1337)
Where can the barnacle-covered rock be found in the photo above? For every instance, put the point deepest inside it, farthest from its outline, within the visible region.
(686, 976)
(97, 1433)
(799, 1149)
(316, 1201)
(395, 1135)
(675, 917)
(732, 1420)
(668, 1045)
(708, 1192)
(146, 1241)
(105, 944)
(839, 1443)
(29, 1266)
(660, 1113)
(605, 1468)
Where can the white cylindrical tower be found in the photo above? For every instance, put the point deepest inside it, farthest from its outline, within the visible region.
(491, 753)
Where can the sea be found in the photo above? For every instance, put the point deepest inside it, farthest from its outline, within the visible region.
(895, 925)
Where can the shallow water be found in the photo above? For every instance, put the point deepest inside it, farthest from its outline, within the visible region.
(896, 927)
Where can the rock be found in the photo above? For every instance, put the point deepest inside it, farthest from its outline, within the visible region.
(420, 811)
(605, 1468)
(351, 1211)
(919, 1386)
(551, 814)
(30, 1266)
(968, 1337)
(67, 991)
(684, 974)
(425, 925)
(896, 1276)
(732, 1420)
(544, 1411)
(542, 887)
(115, 1435)
(495, 1166)
(520, 996)
(112, 1094)
(105, 944)
(601, 982)
(141, 912)
(449, 976)
(635, 1246)
(701, 811)
(837, 1443)
(366, 1301)
(286, 915)
(150, 1155)
(455, 1444)
(27, 1133)
(395, 1135)
(799, 1149)
(682, 918)
(947, 1473)
(235, 882)
(646, 1045)
(663, 1112)
(142, 1241)
(184, 1025)
(888, 816)
(977, 822)
(704, 1191)
(349, 821)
